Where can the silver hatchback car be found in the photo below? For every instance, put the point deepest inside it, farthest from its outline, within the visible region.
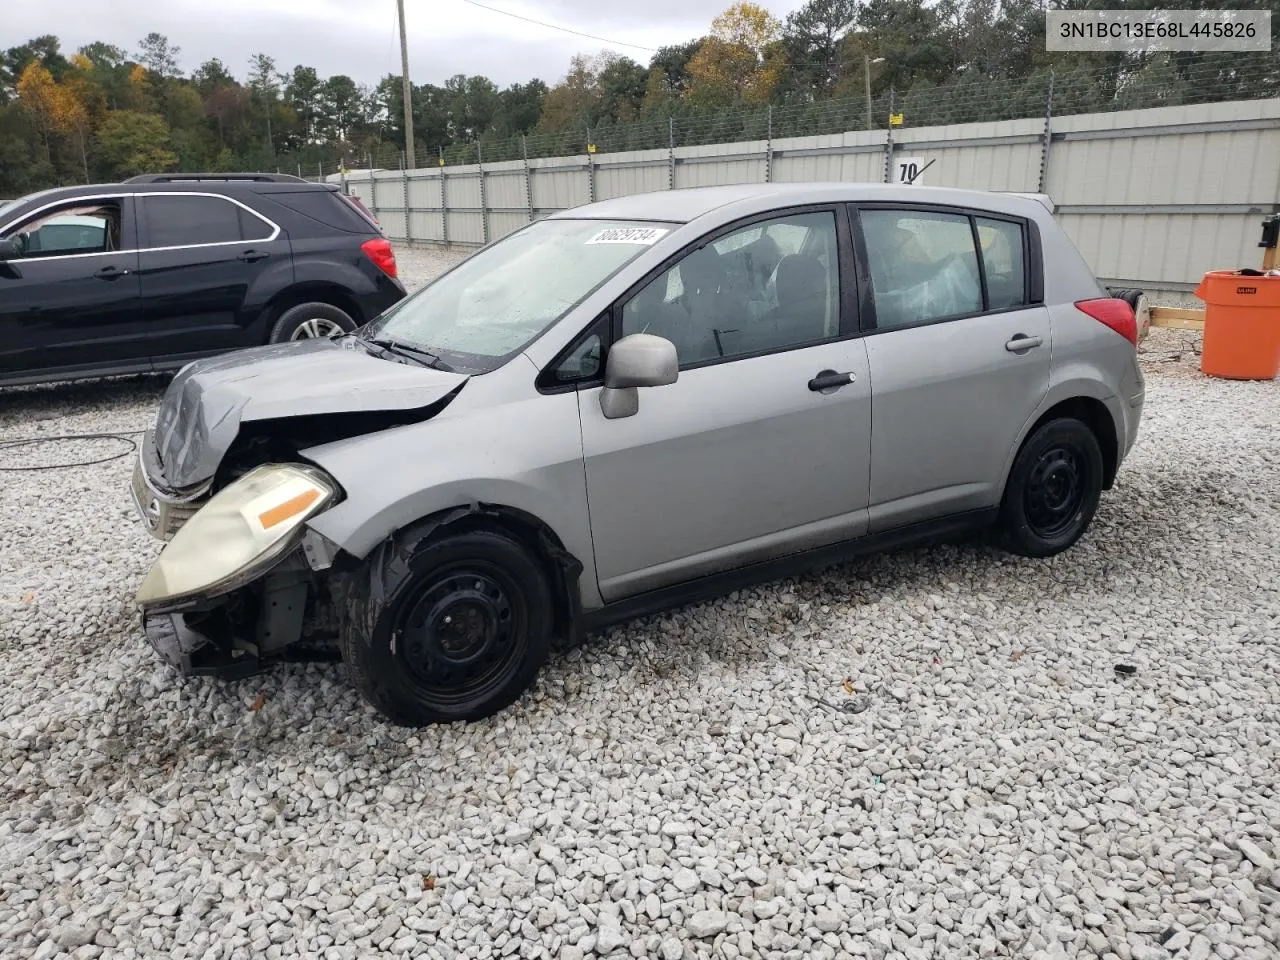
(627, 406)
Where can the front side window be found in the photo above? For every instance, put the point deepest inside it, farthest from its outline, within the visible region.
(501, 299)
(770, 286)
(66, 231)
(924, 266)
(183, 221)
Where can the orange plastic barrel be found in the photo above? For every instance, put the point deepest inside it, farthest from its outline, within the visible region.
(1241, 325)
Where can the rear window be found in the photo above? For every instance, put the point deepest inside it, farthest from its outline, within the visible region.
(323, 206)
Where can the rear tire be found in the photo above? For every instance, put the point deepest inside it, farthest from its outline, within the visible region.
(1053, 489)
(309, 321)
(456, 631)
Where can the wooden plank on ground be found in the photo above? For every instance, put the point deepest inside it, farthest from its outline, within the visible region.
(1179, 318)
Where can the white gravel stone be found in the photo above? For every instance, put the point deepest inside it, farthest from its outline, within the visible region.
(1254, 853)
(610, 938)
(1005, 792)
(685, 880)
(706, 923)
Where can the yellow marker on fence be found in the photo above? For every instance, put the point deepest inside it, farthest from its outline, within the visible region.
(895, 119)
(591, 148)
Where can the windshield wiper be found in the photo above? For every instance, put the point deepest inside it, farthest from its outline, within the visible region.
(424, 357)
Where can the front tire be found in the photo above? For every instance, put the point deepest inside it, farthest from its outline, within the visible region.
(310, 321)
(1053, 489)
(458, 631)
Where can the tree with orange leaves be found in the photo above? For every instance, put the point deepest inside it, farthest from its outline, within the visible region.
(54, 108)
(740, 62)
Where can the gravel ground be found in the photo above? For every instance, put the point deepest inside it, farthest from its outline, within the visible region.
(671, 789)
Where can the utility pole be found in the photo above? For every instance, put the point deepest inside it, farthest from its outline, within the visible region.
(410, 160)
(866, 75)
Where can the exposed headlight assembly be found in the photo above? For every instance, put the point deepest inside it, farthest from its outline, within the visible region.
(245, 528)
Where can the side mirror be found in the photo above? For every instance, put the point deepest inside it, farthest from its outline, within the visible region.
(12, 248)
(640, 360)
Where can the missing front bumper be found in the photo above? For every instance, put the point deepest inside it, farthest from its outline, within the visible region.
(196, 653)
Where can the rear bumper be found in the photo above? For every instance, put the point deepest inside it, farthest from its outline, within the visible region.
(387, 294)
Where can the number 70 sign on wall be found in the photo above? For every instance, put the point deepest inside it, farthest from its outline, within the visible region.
(909, 170)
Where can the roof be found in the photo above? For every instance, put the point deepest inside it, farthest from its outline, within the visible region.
(688, 204)
(20, 206)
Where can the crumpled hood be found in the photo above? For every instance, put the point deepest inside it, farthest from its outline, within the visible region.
(208, 400)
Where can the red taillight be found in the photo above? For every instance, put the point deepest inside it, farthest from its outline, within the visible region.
(379, 251)
(1115, 313)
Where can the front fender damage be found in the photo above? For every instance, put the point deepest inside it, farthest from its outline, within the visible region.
(294, 613)
(362, 593)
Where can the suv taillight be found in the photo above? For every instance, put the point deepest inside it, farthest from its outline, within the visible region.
(379, 251)
(1115, 313)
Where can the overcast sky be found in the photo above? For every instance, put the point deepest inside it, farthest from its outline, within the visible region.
(445, 36)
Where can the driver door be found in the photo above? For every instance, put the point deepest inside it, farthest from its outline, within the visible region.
(71, 299)
(749, 455)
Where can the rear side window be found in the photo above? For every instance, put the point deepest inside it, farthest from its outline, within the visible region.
(1002, 259)
(326, 207)
(924, 266)
(181, 221)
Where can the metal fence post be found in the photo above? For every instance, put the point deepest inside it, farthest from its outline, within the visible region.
(671, 153)
(373, 194)
(484, 205)
(768, 149)
(591, 170)
(528, 178)
(404, 193)
(1047, 139)
(888, 142)
(444, 204)
(319, 171)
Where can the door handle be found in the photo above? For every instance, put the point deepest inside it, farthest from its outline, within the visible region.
(252, 256)
(111, 273)
(1021, 342)
(829, 380)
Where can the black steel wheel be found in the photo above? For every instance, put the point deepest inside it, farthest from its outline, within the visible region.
(457, 633)
(1053, 489)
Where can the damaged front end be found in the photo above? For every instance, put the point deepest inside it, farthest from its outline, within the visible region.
(235, 586)
(223, 480)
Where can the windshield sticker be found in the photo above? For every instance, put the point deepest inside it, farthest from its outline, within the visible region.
(645, 236)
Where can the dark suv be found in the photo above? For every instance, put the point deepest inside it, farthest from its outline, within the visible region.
(162, 269)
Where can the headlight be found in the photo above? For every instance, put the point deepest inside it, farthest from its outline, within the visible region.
(243, 529)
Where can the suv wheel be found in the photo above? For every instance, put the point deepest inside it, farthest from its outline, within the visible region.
(307, 321)
(1053, 489)
(455, 631)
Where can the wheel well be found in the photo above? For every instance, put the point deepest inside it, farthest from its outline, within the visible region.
(1095, 415)
(562, 568)
(310, 293)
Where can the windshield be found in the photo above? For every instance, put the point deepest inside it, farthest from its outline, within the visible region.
(498, 301)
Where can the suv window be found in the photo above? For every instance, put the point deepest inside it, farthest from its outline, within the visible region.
(745, 293)
(924, 266)
(180, 221)
(75, 229)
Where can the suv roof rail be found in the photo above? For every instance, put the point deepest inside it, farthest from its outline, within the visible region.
(249, 177)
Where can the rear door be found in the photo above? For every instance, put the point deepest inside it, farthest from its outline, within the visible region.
(71, 299)
(959, 352)
(201, 255)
